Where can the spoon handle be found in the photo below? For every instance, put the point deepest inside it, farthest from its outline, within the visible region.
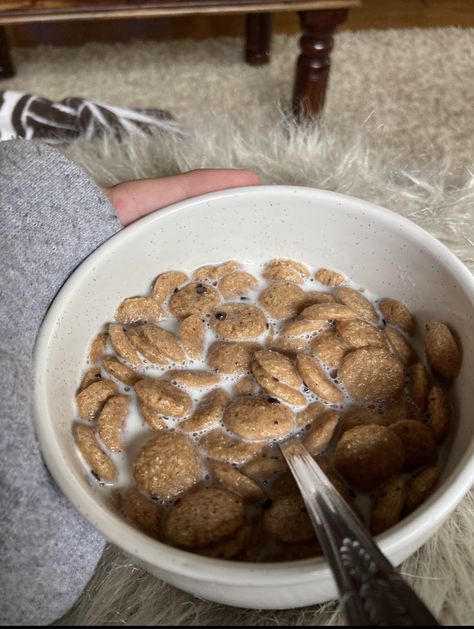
(371, 591)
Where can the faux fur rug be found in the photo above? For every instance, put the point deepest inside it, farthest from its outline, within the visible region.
(398, 130)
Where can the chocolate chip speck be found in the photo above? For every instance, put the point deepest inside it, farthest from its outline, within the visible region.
(220, 316)
(273, 400)
(200, 289)
(175, 291)
(95, 475)
(267, 504)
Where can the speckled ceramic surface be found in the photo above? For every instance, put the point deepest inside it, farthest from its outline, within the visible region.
(378, 249)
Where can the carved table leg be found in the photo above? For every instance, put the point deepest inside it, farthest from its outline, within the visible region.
(6, 64)
(312, 69)
(258, 29)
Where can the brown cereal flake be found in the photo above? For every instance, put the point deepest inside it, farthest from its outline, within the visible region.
(276, 389)
(98, 347)
(193, 378)
(282, 300)
(90, 400)
(194, 298)
(278, 366)
(222, 447)
(163, 341)
(401, 347)
(151, 416)
(142, 512)
(122, 346)
(232, 479)
(310, 414)
(328, 312)
(120, 371)
(211, 273)
(358, 333)
(439, 414)
(329, 349)
(245, 386)
(191, 336)
(231, 358)
(288, 521)
(321, 433)
(330, 278)
(420, 447)
(238, 321)
(388, 505)
(237, 283)
(403, 409)
(91, 375)
(265, 466)
(146, 349)
(111, 422)
(299, 327)
(231, 547)
(357, 302)
(163, 397)
(420, 486)
(290, 345)
(396, 313)
(209, 411)
(101, 465)
(166, 283)
(258, 419)
(442, 350)
(419, 385)
(135, 309)
(362, 416)
(318, 297)
(316, 380)
(285, 270)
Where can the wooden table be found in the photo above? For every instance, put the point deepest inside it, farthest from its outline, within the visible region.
(319, 19)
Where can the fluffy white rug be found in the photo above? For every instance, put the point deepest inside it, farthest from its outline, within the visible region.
(398, 130)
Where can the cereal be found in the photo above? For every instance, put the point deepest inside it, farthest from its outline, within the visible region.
(231, 358)
(237, 283)
(120, 371)
(278, 366)
(166, 283)
(388, 505)
(403, 409)
(191, 336)
(193, 378)
(238, 321)
(288, 521)
(163, 341)
(135, 309)
(91, 375)
(362, 416)
(356, 301)
(167, 465)
(372, 374)
(290, 346)
(418, 442)
(259, 419)
(97, 348)
(276, 389)
(329, 348)
(396, 313)
(244, 386)
(357, 333)
(321, 433)
(204, 517)
(420, 486)
(212, 273)
(265, 466)
(90, 400)
(230, 478)
(419, 385)
(282, 300)
(401, 347)
(285, 270)
(100, 464)
(330, 278)
(154, 420)
(367, 456)
(228, 549)
(310, 414)
(122, 346)
(142, 512)
(298, 327)
(442, 350)
(318, 297)
(285, 485)
(328, 312)
(111, 422)
(192, 299)
(315, 379)
(220, 446)
(146, 349)
(439, 414)
(163, 397)
(210, 410)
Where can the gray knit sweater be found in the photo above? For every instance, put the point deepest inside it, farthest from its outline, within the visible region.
(51, 217)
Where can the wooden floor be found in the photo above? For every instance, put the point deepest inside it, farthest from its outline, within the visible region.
(378, 14)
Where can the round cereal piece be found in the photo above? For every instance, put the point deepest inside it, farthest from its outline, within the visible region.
(439, 414)
(231, 357)
(403, 409)
(135, 309)
(142, 512)
(193, 378)
(194, 298)
(231, 547)
(388, 505)
(321, 433)
(91, 376)
(101, 465)
(265, 466)
(120, 371)
(396, 313)
(285, 270)
(163, 341)
(318, 297)
(357, 302)
(153, 418)
(372, 374)
(111, 422)
(328, 312)
(367, 456)
(278, 366)
(237, 283)
(316, 380)
(191, 336)
(329, 348)
(284, 486)
(420, 447)
(420, 486)
(442, 350)
(232, 479)
(238, 321)
(330, 278)
(357, 333)
(166, 283)
(163, 397)
(362, 416)
(209, 411)
(259, 419)
(98, 347)
(212, 273)
(299, 327)
(419, 385)
(90, 400)
(310, 414)
(222, 447)
(167, 465)
(277, 389)
(288, 521)
(401, 347)
(245, 386)
(282, 300)
(290, 345)
(146, 349)
(207, 516)
(122, 346)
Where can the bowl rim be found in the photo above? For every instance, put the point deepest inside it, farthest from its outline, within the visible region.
(226, 572)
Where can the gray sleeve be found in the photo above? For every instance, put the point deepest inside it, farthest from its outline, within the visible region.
(52, 215)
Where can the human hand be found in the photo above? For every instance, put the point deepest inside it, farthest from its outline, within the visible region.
(134, 199)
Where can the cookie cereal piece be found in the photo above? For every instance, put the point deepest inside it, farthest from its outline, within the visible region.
(396, 313)
(420, 486)
(310, 414)
(222, 447)
(265, 466)
(232, 479)
(439, 414)
(331, 311)
(122, 346)
(278, 366)
(403, 409)
(120, 371)
(163, 397)
(321, 433)
(330, 278)
(194, 298)
(142, 512)
(97, 348)
(290, 345)
(90, 400)
(135, 309)
(230, 358)
(212, 273)
(146, 349)
(209, 411)
(299, 327)
(92, 375)
(362, 416)
(166, 283)
(329, 349)
(282, 300)
(285, 270)
(245, 386)
(442, 350)
(316, 380)
(401, 347)
(388, 505)
(420, 447)
(288, 521)
(367, 456)
(101, 465)
(237, 283)
(163, 341)
(318, 297)
(167, 465)
(191, 336)
(153, 418)
(358, 333)
(357, 302)
(231, 547)
(258, 419)
(111, 422)
(207, 516)
(372, 374)
(193, 378)
(276, 389)
(238, 321)
(419, 385)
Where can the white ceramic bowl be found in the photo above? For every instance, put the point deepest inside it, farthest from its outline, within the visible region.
(376, 248)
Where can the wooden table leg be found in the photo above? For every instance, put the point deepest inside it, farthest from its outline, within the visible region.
(7, 69)
(258, 30)
(312, 69)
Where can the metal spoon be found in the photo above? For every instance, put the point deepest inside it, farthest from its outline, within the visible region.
(371, 591)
